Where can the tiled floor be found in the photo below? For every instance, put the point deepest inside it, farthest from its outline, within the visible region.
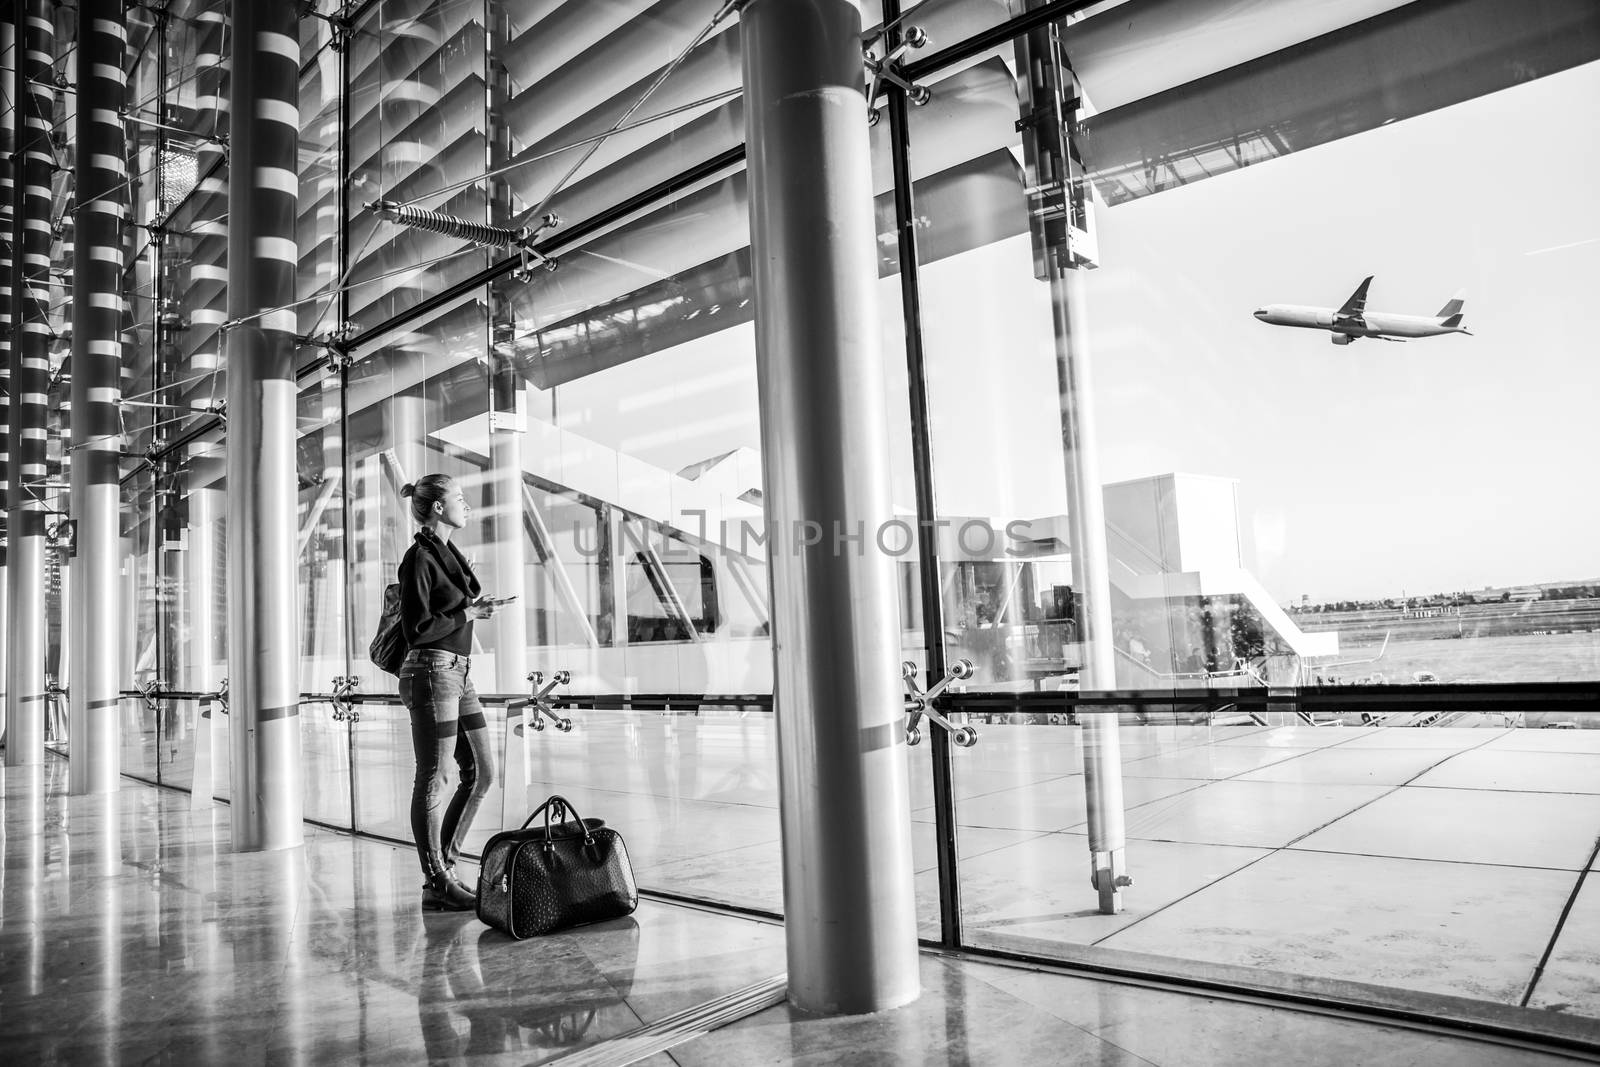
(130, 933)
(1436, 859)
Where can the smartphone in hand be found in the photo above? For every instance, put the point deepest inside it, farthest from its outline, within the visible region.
(498, 600)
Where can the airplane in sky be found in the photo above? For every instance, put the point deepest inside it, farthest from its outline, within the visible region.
(1353, 320)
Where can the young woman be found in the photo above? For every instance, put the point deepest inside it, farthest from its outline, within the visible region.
(439, 601)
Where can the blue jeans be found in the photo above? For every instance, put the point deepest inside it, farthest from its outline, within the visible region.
(446, 721)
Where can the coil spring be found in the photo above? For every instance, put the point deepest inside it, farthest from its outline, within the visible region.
(449, 225)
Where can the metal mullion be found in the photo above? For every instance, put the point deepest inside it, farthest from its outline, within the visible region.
(342, 369)
(356, 11)
(946, 839)
(991, 38)
(208, 423)
(164, 651)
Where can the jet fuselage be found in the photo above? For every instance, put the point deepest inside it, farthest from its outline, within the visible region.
(1368, 324)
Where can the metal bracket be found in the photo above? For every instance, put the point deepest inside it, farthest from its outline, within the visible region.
(152, 693)
(1108, 875)
(332, 344)
(539, 702)
(64, 531)
(338, 23)
(220, 697)
(890, 69)
(55, 699)
(920, 704)
(345, 710)
(529, 258)
(521, 239)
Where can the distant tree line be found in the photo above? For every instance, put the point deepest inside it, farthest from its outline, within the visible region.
(1458, 599)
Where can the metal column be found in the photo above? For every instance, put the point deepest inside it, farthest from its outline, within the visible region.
(506, 578)
(263, 645)
(510, 623)
(100, 180)
(1102, 737)
(408, 435)
(930, 572)
(34, 95)
(1061, 211)
(849, 900)
(507, 409)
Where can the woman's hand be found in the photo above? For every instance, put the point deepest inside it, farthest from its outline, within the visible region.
(482, 608)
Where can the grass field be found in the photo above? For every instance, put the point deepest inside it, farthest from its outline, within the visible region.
(1564, 657)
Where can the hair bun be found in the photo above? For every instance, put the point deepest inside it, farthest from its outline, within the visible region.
(407, 490)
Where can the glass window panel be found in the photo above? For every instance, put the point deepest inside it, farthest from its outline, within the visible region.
(1272, 515)
(406, 404)
(194, 615)
(416, 107)
(638, 358)
(322, 576)
(637, 362)
(577, 72)
(138, 602)
(318, 208)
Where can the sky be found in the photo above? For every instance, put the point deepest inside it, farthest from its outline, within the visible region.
(1364, 471)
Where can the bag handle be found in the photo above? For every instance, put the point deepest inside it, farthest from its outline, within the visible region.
(557, 803)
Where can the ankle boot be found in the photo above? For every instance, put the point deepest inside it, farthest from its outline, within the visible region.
(443, 893)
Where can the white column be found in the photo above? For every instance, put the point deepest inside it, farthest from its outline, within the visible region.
(849, 900)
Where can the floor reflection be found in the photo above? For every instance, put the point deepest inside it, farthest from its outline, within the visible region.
(129, 932)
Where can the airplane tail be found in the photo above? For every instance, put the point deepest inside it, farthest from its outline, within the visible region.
(1452, 309)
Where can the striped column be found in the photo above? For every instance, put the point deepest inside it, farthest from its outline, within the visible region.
(263, 642)
(8, 140)
(97, 305)
(34, 94)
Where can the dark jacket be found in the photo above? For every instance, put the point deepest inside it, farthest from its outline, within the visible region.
(436, 585)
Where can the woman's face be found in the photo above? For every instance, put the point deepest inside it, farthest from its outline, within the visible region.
(453, 509)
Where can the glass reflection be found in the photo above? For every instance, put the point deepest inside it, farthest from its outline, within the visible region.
(416, 99)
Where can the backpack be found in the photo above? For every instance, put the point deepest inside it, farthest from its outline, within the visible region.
(388, 649)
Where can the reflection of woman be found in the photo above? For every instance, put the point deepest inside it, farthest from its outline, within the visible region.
(453, 989)
(439, 599)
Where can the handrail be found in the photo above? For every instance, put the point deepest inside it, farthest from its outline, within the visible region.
(1568, 698)
(170, 694)
(1576, 698)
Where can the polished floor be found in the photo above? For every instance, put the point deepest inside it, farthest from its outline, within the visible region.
(129, 933)
(1440, 860)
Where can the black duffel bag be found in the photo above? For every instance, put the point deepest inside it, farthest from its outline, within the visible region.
(565, 873)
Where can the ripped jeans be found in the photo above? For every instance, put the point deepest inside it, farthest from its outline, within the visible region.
(446, 721)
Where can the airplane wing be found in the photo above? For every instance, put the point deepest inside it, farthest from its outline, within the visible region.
(1357, 303)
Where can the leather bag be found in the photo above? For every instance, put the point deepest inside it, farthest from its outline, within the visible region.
(566, 872)
(388, 648)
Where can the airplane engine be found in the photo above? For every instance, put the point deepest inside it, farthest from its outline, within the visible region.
(1341, 338)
